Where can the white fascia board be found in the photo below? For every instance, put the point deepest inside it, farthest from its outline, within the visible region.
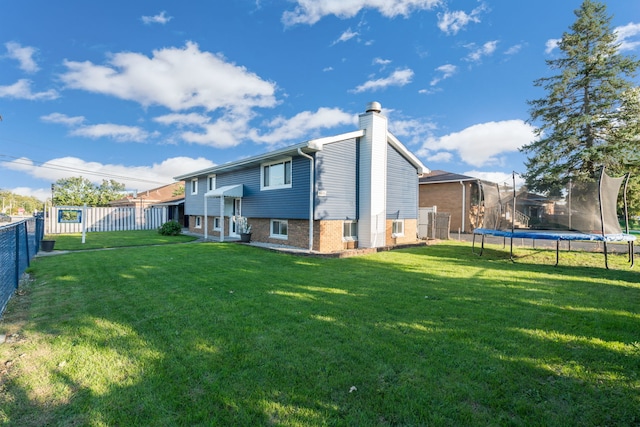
(320, 142)
(290, 150)
(395, 143)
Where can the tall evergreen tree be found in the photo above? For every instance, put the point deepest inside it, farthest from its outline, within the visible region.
(591, 115)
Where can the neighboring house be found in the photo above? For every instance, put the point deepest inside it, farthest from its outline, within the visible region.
(170, 196)
(357, 189)
(451, 193)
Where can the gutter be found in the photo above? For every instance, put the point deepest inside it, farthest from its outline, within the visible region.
(311, 194)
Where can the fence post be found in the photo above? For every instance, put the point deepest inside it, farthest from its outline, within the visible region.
(17, 269)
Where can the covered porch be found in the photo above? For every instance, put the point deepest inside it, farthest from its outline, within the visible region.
(230, 197)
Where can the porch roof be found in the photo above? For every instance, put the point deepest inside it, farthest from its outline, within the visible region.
(226, 191)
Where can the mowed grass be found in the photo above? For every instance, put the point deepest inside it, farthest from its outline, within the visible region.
(114, 239)
(227, 334)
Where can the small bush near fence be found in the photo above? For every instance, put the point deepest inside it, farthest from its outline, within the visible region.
(170, 228)
(19, 243)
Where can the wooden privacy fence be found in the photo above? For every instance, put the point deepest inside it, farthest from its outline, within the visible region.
(69, 219)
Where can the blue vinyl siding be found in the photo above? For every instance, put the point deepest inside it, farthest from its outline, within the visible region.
(336, 171)
(194, 204)
(402, 187)
(286, 203)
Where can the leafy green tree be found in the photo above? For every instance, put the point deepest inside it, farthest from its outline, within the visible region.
(11, 203)
(76, 191)
(590, 117)
(108, 191)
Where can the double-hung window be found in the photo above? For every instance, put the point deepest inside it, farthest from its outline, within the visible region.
(211, 182)
(275, 175)
(350, 230)
(279, 229)
(397, 228)
(198, 222)
(194, 186)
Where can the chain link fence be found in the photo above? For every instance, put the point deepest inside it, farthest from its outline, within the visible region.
(19, 243)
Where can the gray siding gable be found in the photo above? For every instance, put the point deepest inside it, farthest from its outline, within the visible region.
(337, 180)
(402, 187)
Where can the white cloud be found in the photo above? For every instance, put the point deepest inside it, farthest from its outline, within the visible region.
(223, 133)
(178, 79)
(482, 144)
(160, 18)
(550, 45)
(134, 177)
(382, 62)
(397, 78)
(41, 194)
(24, 55)
(627, 32)
(22, 90)
(346, 36)
(302, 125)
(311, 11)
(445, 71)
(63, 119)
(182, 120)
(496, 177)
(477, 53)
(441, 156)
(452, 22)
(411, 131)
(513, 49)
(119, 133)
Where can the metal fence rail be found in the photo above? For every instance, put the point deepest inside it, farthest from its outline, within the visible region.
(19, 243)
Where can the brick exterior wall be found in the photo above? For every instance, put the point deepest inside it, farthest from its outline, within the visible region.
(447, 197)
(410, 233)
(327, 235)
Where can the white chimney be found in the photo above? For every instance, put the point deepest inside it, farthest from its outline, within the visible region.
(373, 178)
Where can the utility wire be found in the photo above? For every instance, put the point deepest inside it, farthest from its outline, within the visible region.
(66, 168)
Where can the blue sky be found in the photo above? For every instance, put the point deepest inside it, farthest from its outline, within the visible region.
(144, 91)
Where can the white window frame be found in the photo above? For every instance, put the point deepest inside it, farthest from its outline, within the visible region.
(279, 236)
(198, 222)
(216, 223)
(350, 236)
(211, 182)
(397, 228)
(284, 162)
(194, 186)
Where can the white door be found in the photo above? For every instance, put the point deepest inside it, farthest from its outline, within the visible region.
(235, 217)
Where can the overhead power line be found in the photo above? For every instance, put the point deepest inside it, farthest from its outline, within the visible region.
(66, 168)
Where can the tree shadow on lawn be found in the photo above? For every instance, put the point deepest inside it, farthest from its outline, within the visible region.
(412, 337)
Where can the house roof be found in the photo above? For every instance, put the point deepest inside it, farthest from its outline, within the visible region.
(440, 177)
(166, 193)
(306, 147)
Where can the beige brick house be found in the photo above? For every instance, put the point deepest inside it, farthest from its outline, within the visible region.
(451, 193)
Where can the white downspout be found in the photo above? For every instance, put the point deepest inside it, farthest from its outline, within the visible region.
(464, 203)
(311, 194)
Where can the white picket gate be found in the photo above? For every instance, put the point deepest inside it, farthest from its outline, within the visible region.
(105, 219)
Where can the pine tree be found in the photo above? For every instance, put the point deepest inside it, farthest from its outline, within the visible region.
(590, 117)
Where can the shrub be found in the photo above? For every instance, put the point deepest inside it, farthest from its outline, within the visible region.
(170, 228)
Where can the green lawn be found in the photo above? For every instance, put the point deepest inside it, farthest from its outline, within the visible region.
(227, 334)
(114, 239)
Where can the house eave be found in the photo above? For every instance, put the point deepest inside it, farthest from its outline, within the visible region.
(310, 146)
(395, 143)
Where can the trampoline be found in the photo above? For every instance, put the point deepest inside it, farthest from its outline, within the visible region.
(587, 212)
